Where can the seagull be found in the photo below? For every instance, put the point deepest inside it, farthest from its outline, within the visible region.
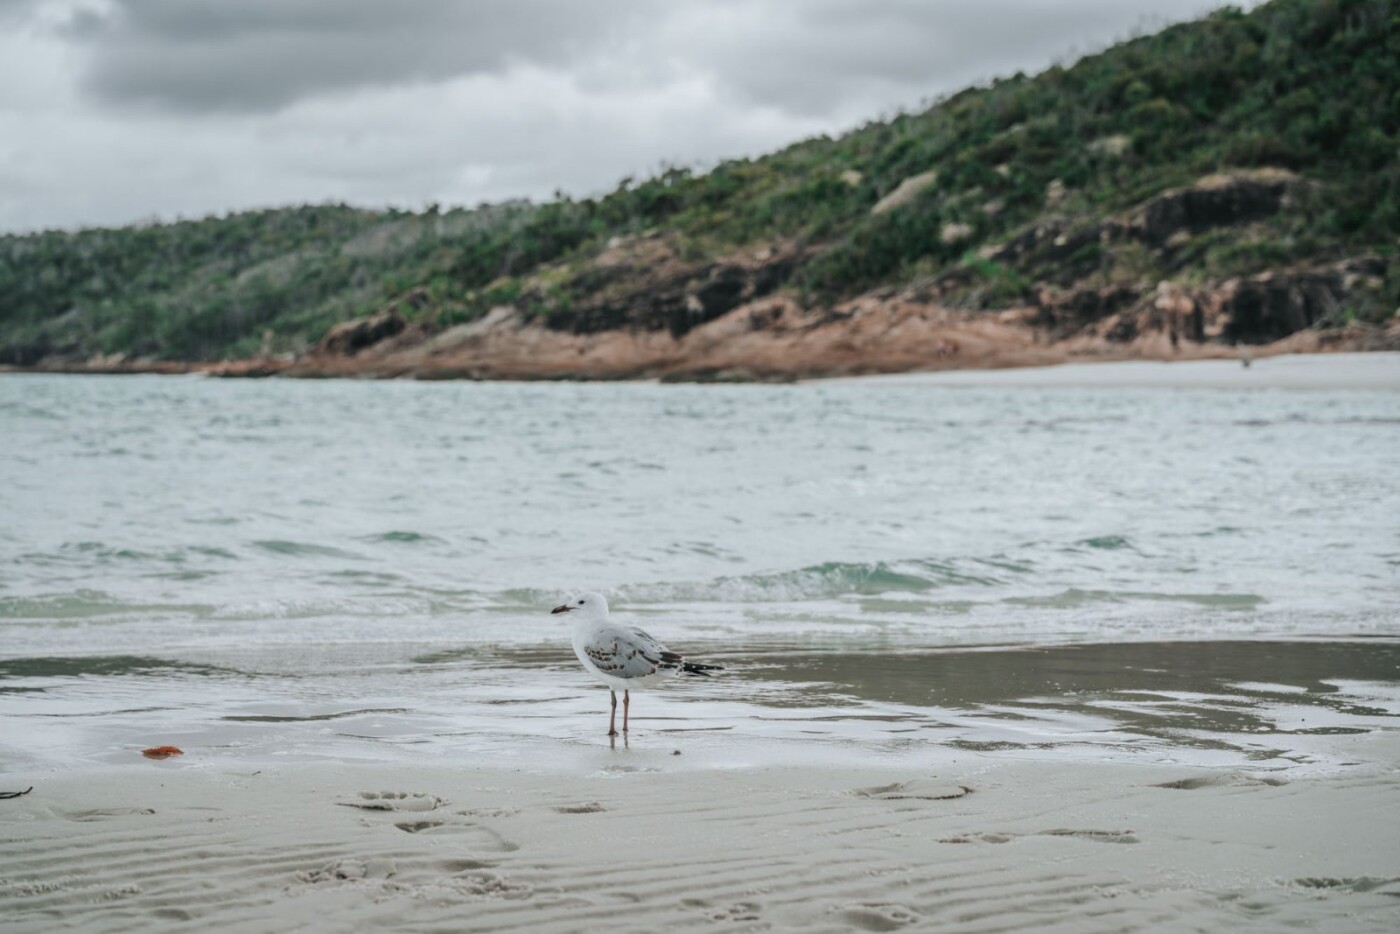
(622, 657)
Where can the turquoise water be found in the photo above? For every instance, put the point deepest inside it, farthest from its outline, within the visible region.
(251, 538)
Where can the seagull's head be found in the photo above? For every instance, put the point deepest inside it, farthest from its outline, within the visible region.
(585, 606)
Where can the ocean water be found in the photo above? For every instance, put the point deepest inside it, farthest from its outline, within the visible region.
(347, 568)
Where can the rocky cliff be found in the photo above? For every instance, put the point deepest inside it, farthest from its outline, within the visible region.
(640, 309)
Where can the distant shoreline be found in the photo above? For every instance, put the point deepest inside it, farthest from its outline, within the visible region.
(1216, 367)
(1374, 370)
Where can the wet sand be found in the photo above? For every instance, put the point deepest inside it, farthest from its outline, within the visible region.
(1150, 786)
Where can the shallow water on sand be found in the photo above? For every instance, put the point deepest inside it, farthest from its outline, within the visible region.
(349, 569)
(1184, 703)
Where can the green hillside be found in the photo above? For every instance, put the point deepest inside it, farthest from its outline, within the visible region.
(1307, 86)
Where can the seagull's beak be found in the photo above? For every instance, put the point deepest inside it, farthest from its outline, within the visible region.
(561, 608)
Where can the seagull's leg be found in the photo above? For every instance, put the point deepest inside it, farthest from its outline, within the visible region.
(612, 721)
(626, 703)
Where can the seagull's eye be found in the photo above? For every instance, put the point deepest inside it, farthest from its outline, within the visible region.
(582, 602)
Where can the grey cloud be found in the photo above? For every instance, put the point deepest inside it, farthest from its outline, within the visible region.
(114, 110)
(259, 55)
(16, 10)
(804, 56)
(819, 55)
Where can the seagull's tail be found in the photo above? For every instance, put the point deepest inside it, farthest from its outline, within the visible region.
(703, 671)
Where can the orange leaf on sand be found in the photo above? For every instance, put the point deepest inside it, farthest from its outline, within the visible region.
(162, 752)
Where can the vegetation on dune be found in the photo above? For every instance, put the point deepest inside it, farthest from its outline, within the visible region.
(1310, 86)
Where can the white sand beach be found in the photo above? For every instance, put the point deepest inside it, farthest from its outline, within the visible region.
(646, 842)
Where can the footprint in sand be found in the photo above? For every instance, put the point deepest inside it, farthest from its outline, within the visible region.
(418, 826)
(108, 813)
(588, 807)
(877, 917)
(453, 879)
(739, 911)
(394, 801)
(351, 870)
(1217, 781)
(919, 789)
(477, 837)
(478, 884)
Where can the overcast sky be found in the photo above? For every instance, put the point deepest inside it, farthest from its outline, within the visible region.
(115, 111)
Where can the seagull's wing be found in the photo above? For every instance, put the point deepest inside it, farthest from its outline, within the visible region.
(628, 653)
